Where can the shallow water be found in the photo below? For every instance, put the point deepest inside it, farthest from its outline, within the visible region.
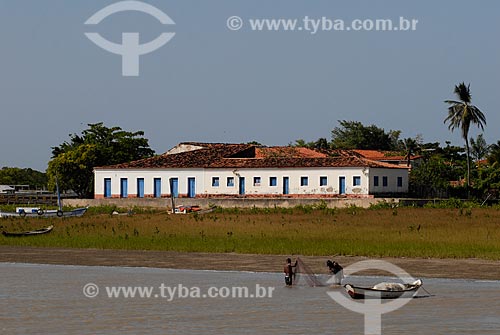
(49, 299)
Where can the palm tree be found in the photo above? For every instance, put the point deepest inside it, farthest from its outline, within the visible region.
(461, 114)
(410, 147)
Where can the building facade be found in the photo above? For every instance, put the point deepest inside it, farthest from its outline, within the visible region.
(244, 170)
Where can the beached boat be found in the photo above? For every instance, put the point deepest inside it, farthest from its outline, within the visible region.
(192, 209)
(384, 290)
(38, 212)
(31, 232)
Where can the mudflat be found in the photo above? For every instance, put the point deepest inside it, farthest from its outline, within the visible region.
(417, 267)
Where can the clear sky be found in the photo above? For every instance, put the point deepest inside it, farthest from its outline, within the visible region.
(210, 83)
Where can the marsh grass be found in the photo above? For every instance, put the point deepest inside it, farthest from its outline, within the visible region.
(386, 231)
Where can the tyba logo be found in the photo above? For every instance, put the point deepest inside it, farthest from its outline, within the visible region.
(130, 49)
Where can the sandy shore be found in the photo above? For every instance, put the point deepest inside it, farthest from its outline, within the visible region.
(430, 268)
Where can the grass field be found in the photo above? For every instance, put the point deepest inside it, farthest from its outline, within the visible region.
(398, 232)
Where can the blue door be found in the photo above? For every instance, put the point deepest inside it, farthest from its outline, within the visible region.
(286, 185)
(191, 187)
(123, 187)
(107, 187)
(342, 185)
(241, 188)
(140, 187)
(157, 187)
(174, 187)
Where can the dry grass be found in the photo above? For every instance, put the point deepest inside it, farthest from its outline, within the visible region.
(401, 232)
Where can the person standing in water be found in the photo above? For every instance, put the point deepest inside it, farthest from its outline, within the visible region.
(289, 273)
(336, 270)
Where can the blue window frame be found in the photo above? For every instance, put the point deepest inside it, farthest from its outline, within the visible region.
(400, 181)
(230, 182)
(215, 181)
(273, 181)
(304, 181)
(107, 187)
(157, 187)
(323, 181)
(140, 187)
(375, 180)
(384, 181)
(123, 187)
(256, 181)
(356, 181)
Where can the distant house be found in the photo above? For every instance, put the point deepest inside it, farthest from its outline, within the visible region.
(389, 157)
(193, 169)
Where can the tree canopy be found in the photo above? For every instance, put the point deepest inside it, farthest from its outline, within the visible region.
(18, 176)
(355, 135)
(73, 162)
(461, 114)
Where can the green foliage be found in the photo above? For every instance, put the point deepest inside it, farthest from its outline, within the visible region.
(18, 176)
(461, 114)
(479, 147)
(488, 178)
(452, 203)
(73, 162)
(320, 144)
(383, 205)
(354, 135)
(494, 153)
(431, 178)
(409, 232)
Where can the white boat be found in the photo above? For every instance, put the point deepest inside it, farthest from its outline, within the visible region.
(38, 212)
(384, 290)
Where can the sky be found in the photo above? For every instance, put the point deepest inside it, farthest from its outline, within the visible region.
(211, 83)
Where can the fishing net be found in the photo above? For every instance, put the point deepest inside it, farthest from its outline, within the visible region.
(304, 272)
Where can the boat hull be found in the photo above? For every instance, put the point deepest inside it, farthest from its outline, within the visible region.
(46, 213)
(30, 233)
(398, 291)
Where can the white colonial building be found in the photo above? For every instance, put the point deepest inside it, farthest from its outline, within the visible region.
(218, 170)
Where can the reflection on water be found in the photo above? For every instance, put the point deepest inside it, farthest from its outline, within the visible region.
(48, 299)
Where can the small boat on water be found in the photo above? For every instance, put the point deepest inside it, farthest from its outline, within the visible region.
(38, 212)
(384, 290)
(31, 232)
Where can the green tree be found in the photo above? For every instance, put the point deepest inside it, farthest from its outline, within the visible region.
(432, 177)
(461, 114)
(354, 135)
(494, 153)
(321, 144)
(410, 148)
(18, 176)
(479, 147)
(73, 162)
(74, 169)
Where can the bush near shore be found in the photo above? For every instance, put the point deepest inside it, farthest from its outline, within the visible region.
(381, 231)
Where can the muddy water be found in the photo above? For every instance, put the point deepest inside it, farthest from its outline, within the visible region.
(49, 299)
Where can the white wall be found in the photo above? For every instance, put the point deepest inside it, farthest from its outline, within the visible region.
(392, 176)
(294, 175)
(203, 178)
(149, 175)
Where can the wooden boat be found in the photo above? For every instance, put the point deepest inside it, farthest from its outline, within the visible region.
(192, 209)
(31, 232)
(384, 290)
(44, 213)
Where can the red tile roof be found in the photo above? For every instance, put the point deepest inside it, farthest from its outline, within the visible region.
(223, 155)
(382, 155)
(287, 152)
